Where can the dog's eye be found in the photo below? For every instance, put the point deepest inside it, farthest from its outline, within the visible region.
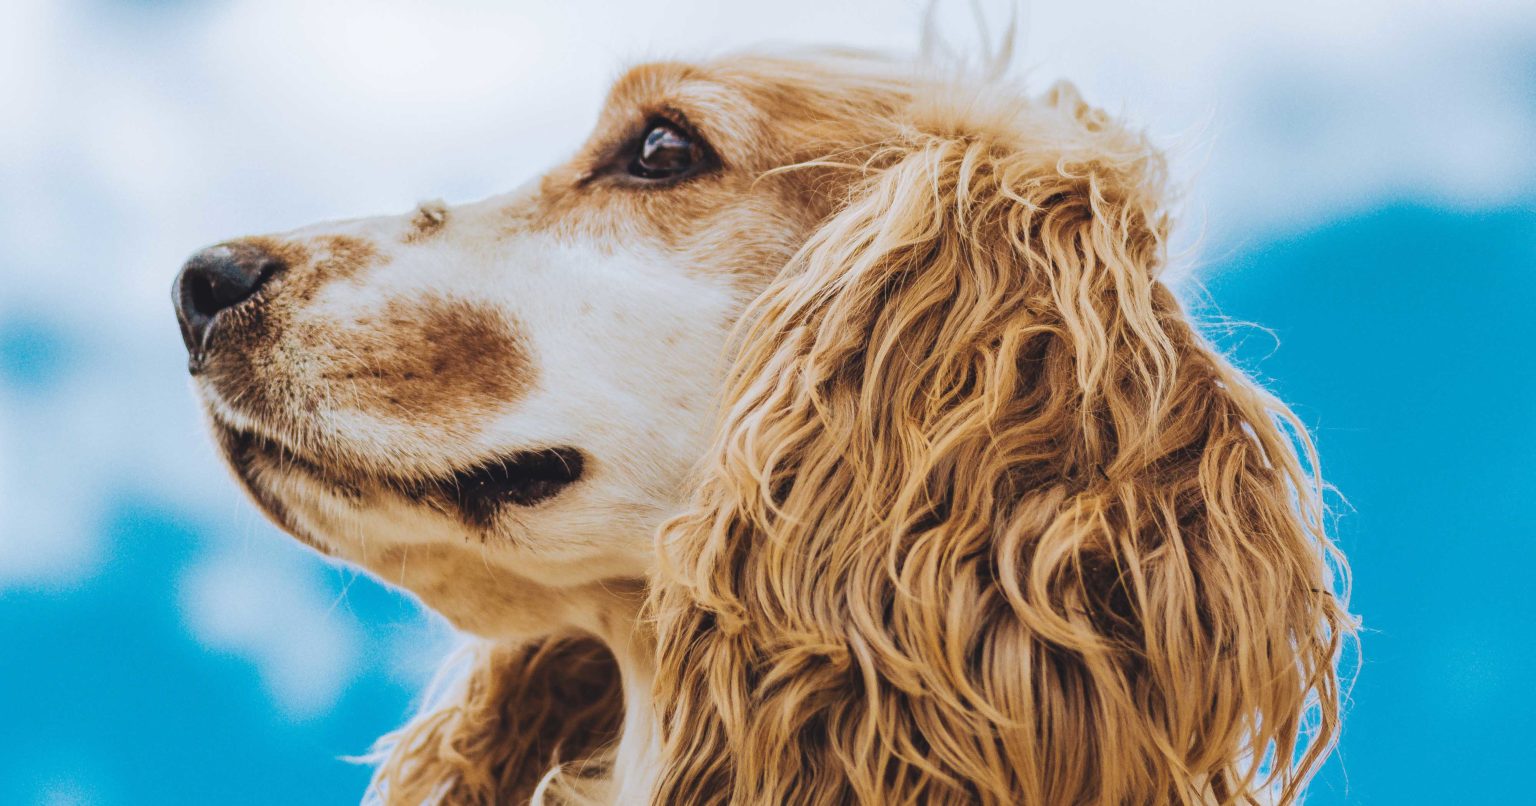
(666, 152)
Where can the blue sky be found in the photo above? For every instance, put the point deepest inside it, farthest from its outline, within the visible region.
(1359, 181)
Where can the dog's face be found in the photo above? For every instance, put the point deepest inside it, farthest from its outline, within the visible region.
(495, 404)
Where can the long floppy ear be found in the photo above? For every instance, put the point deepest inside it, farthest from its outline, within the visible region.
(515, 714)
(987, 520)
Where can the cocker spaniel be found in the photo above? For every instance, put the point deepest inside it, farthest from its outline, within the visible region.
(820, 433)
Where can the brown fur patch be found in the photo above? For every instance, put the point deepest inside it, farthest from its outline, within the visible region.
(294, 255)
(447, 361)
(345, 257)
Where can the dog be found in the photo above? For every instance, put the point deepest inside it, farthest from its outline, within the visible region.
(822, 432)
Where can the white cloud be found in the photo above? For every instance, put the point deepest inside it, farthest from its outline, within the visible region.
(43, 543)
(273, 611)
(108, 419)
(68, 793)
(48, 496)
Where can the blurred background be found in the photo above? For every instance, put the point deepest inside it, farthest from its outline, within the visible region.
(1359, 179)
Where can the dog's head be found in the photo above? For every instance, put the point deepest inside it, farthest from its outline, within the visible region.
(496, 402)
(963, 507)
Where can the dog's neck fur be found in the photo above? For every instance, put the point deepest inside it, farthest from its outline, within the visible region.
(618, 622)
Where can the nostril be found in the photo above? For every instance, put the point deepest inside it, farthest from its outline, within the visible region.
(214, 280)
(218, 284)
(199, 290)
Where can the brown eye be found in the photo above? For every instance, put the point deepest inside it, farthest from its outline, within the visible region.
(666, 152)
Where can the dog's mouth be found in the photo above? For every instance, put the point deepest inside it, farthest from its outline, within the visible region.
(476, 494)
(522, 478)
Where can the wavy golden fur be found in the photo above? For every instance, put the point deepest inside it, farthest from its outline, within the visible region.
(517, 713)
(985, 518)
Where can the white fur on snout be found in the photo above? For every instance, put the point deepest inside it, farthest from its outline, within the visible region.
(625, 348)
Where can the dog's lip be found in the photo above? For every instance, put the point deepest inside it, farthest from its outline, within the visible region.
(522, 478)
(476, 493)
(241, 443)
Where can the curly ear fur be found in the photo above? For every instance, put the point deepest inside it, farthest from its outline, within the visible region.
(987, 520)
(518, 713)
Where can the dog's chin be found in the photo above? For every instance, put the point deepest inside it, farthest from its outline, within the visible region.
(475, 495)
(450, 540)
(248, 460)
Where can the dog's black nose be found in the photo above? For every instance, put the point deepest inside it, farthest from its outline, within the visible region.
(216, 279)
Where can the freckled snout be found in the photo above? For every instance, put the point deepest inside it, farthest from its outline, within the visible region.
(214, 281)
